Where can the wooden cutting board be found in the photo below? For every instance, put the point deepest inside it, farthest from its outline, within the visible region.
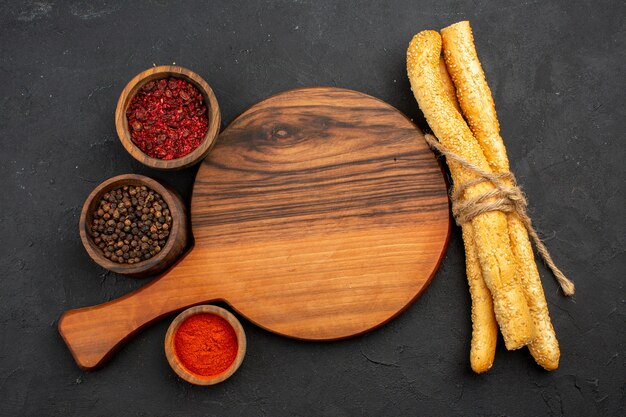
(320, 214)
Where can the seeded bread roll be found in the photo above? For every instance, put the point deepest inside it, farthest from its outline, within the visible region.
(490, 229)
(484, 324)
(479, 110)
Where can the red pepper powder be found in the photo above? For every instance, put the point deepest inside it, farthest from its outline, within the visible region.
(206, 344)
(167, 118)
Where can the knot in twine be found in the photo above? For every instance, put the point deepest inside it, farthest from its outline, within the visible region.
(503, 197)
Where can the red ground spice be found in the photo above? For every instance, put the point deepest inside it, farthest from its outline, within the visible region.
(167, 118)
(206, 344)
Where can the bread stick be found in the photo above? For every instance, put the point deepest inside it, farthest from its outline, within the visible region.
(490, 229)
(484, 325)
(448, 85)
(545, 347)
(478, 107)
(472, 90)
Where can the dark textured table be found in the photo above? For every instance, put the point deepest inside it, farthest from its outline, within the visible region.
(556, 70)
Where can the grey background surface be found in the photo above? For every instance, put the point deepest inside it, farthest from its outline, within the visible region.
(556, 70)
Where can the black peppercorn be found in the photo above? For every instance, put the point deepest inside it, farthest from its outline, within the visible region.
(131, 224)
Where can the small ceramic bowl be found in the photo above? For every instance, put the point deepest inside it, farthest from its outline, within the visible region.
(176, 242)
(179, 367)
(156, 73)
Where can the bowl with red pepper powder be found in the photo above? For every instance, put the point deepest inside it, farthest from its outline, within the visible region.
(205, 345)
(167, 117)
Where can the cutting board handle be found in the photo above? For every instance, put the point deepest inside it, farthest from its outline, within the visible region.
(94, 333)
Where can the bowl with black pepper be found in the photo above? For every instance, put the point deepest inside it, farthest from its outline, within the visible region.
(133, 225)
(168, 118)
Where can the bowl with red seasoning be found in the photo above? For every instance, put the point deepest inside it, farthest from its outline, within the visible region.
(168, 118)
(205, 345)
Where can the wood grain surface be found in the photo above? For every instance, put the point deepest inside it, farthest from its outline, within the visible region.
(320, 214)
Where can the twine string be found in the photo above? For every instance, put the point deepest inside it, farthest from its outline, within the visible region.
(503, 197)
